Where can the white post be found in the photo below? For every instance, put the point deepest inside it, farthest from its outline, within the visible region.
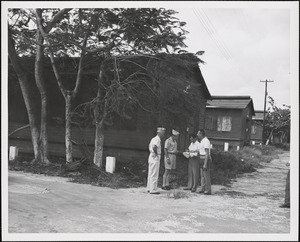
(211, 146)
(253, 142)
(13, 153)
(110, 164)
(238, 148)
(226, 145)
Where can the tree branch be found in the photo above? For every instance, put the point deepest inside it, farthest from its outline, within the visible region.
(13, 56)
(95, 50)
(18, 129)
(80, 68)
(58, 17)
(56, 73)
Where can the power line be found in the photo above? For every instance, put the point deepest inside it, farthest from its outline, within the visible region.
(213, 36)
(216, 35)
(203, 23)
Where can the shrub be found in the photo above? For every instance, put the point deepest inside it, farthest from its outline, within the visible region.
(283, 146)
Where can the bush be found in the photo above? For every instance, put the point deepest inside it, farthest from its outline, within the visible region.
(283, 146)
(224, 166)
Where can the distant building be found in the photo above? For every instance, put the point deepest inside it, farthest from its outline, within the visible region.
(257, 127)
(228, 119)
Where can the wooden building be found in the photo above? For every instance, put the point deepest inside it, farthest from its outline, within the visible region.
(124, 139)
(257, 127)
(229, 119)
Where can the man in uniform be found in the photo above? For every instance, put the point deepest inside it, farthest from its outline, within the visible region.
(205, 159)
(170, 158)
(154, 161)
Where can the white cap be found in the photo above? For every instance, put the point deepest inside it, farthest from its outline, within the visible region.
(160, 129)
(174, 132)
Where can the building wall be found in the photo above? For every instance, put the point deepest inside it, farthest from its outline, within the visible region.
(234, 137)
(256, 132)
(120, 141)
(246, 125)
(202, 111)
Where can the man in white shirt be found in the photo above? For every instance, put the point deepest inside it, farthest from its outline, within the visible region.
(205, 159)
(170, 158)
(154, 161)
(194, 164)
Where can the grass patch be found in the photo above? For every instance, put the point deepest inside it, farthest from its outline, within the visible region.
(226, 166)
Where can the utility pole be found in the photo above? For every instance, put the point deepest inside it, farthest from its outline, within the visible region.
(266, 94)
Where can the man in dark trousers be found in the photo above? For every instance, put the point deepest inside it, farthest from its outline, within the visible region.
(205, 159)
(287, 191)
(194, 164)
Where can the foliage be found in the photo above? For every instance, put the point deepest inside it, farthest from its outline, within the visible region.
(226, 166)
(278, 120)
(112, 34)
(283, 146)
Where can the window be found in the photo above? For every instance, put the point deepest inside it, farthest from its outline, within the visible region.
(224, 123)
(253, 129)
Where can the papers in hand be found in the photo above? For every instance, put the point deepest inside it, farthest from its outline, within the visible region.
(186, 154)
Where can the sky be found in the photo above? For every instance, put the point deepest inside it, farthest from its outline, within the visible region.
(243, 46)
(244, 43)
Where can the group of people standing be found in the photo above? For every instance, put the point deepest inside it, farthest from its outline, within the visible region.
(198, 153)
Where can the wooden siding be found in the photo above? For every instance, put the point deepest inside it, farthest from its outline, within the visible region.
(236, 125)
(202, 111)
(235, 137)
(125, 145)
(119, 142)
(114, 139)
(257, 136)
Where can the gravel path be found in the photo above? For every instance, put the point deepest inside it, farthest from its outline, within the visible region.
(41, 204)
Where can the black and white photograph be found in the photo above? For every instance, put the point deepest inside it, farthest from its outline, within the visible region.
(150, 120)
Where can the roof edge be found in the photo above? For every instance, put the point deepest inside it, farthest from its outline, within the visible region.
(230, 97)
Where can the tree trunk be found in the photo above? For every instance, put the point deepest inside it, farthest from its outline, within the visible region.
(68, 100)
(40, 82)
(26, 88)
(99, 143)
(43, 141)
(99, 135)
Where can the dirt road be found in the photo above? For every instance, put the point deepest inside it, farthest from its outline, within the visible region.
(41, 204)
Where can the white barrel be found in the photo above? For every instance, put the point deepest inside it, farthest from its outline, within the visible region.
(226, 145)
(238, 148)
(110, 164)
(13, 153)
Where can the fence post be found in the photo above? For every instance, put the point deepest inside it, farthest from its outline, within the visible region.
(226, 145)
(13, 153)
(110, 164)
